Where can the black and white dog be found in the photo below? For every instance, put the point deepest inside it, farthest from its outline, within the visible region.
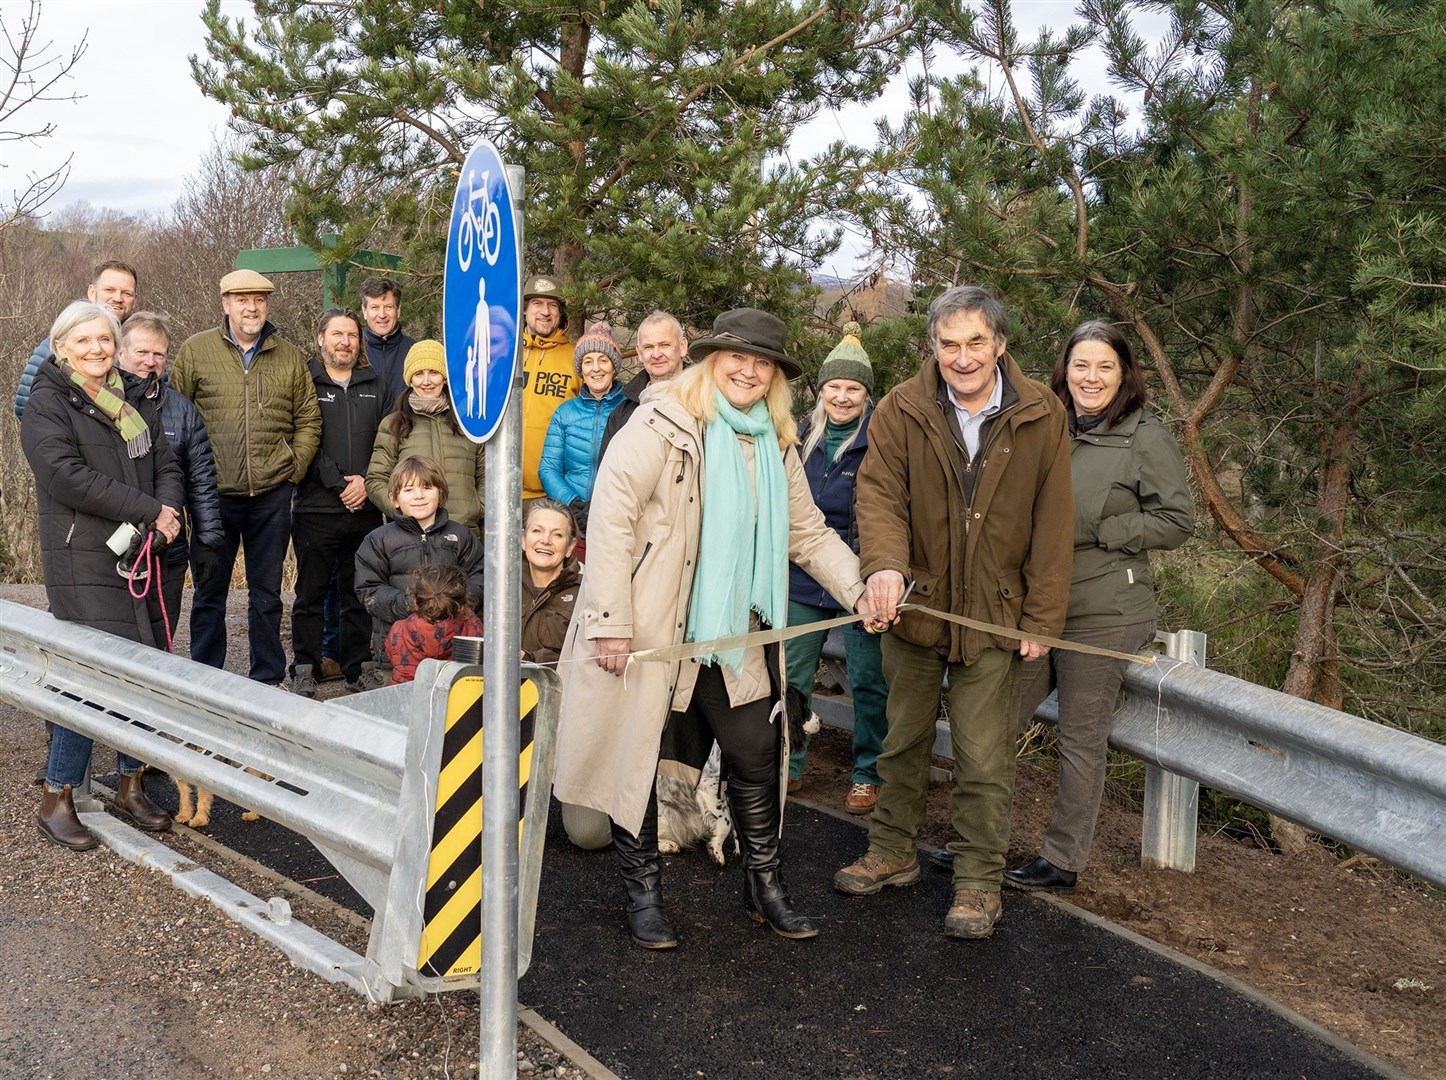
(688, 814)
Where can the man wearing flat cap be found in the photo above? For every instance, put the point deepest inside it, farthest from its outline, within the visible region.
(256, 394)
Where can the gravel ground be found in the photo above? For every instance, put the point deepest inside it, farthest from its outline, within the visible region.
(113, 971)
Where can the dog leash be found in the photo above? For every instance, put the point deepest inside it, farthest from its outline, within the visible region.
(148, 559)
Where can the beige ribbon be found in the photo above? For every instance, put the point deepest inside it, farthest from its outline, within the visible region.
(690, 649)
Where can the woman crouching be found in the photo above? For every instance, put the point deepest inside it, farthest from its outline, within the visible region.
(680, 552)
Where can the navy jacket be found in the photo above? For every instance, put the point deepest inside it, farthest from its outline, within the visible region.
(387, 357)
(832, 484)
(350, 416)
(27, 377)
(186, 432)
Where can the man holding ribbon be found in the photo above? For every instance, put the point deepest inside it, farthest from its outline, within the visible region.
(965, 492)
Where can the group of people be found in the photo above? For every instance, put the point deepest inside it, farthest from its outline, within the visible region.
(966, 518)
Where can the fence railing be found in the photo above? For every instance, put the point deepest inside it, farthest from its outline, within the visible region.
(357, 777)
(1374, 788)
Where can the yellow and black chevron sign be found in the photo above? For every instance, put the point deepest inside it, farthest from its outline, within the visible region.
(452, 913)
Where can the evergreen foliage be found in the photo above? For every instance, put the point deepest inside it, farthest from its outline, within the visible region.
(653, 132)
(1268, 222)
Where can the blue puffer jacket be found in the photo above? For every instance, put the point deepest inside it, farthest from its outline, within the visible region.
(574, 442)
(27, 377)
(186, 432)
(832, 484)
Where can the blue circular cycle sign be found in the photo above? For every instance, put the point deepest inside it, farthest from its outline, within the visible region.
(481, 294)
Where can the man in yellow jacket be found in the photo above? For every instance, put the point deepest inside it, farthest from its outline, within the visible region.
(549, 377)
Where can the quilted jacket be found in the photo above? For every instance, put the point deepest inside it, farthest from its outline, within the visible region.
(263, 420)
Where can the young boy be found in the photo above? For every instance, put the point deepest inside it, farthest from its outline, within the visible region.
(418, 534)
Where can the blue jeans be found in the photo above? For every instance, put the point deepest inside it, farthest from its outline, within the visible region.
(261, 526)
(70, 758)
(866, 685)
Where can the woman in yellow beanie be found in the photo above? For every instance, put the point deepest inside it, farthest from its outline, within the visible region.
(424, 423)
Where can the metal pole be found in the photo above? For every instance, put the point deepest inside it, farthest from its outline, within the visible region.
(1172, 802)
(501, 674)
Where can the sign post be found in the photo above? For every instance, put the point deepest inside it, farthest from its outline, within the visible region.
(482, 293)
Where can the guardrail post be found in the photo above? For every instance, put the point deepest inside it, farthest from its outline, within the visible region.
(1172, 802)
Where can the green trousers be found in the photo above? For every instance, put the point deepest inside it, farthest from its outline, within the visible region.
(983, 702)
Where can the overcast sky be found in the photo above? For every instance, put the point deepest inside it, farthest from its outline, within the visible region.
(140, 125)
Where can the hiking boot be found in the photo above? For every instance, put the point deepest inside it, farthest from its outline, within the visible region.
(861, 798)
(872, 872)
(972, 914)
(370, 677)
(330, 669)
(303, 683)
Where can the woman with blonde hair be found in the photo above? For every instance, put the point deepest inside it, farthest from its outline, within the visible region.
(697, 511)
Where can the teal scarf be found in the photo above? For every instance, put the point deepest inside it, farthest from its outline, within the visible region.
(743, 550)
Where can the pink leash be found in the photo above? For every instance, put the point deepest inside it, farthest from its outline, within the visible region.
(148, 558)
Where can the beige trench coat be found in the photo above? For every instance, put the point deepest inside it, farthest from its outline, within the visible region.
(642, 544)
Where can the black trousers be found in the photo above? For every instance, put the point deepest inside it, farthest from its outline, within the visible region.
(326, 545)
(750, 743)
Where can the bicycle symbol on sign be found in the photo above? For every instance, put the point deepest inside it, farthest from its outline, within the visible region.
(481, 221)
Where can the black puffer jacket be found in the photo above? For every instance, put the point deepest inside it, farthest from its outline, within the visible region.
(350, 416)
(86, 486)
(390, 557)
(186, 432)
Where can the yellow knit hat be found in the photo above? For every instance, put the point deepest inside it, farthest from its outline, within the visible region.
(425, 355)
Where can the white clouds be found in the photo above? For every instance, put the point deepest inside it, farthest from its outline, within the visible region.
(141, 124)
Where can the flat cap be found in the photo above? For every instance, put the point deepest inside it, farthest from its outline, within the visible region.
(245, 281)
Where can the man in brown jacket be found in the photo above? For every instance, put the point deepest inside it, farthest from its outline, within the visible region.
(965, 491)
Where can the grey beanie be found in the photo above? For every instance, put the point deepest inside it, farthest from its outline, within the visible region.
(848, 360)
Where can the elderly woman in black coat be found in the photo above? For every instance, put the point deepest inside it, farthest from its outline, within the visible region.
(101, 463)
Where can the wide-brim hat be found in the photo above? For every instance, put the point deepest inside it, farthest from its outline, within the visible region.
(749, 330)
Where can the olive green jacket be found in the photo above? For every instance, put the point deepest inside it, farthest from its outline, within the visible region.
(1131, 496)
(264, 423)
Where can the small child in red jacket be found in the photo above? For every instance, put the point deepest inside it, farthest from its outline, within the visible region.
(439, 613)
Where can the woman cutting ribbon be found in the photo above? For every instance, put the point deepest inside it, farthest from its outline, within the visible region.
(698, 508)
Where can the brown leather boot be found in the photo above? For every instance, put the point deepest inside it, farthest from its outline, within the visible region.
(131, 803)
(59, 823)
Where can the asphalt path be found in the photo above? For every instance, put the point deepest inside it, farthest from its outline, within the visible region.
(880, 994)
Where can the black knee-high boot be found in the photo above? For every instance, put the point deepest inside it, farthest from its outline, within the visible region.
(755, 814)
(642, 875)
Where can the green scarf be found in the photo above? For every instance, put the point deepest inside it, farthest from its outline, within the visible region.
(110, 398)
(743, 550)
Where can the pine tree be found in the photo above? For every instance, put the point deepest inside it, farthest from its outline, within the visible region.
(654, 132)
(1269, 225)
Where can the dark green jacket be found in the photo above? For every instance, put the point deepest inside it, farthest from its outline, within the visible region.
(1131, 496)
(263, 421)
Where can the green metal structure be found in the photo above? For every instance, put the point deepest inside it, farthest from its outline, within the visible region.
(334, 273)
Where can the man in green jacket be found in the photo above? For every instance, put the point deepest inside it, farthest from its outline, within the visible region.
(965, 491)
(255, 392)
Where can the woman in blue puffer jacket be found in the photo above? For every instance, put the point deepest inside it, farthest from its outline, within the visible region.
(574, 438)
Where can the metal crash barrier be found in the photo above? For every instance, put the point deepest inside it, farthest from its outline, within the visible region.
(1372, 787)
(386, 784)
